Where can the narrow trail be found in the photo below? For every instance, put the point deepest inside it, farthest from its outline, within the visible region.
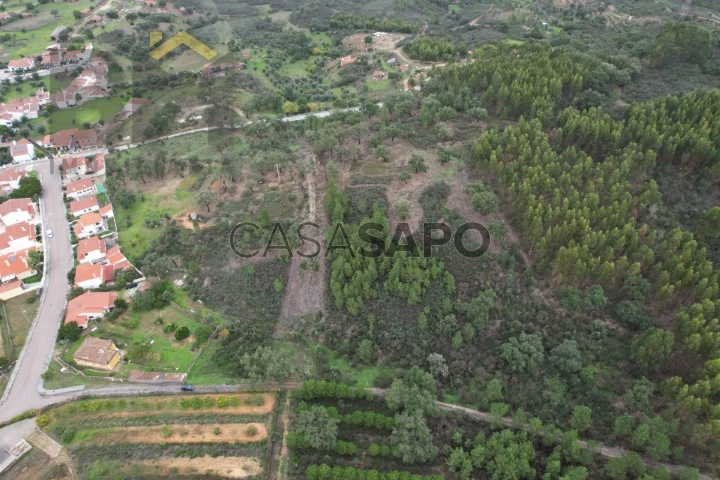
(282, 472)
(607, 451)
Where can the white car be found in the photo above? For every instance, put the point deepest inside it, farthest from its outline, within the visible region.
(49, 234)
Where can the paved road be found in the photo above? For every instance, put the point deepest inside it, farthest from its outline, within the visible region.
(23, 394)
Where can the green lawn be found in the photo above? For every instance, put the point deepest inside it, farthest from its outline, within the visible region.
(377, 85)
(38, 28)
(296, 69)
(166, 354)
(21, 312)
(365, 377)
(135, 235)
(102, 109)
(207, 372)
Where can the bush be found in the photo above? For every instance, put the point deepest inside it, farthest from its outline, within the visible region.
(67, 436)
(170, 327)
(482, 198)
(251, 431)
(42, 421)
(182, 333)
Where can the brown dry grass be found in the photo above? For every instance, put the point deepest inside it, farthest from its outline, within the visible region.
(226, 467)
(184, 433)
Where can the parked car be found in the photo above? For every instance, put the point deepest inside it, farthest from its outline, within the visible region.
(131, 285)
(187, 388)
(49, 234)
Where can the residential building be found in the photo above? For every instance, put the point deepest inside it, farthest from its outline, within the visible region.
(74, 168)
(19, 109)
(89, 306)
(92, 83)
(89, 224)
(21, 65)
(91, 250)
(116, 258)
(98, 354)
(10, 179)
(50, 60)
(80, 189)
(15, 238)
(379, 75)
(92, 275)
(72, 140)
(22, 151)
(83, 206)
(106, 211)
(13, 269)
(348, 60)
(17, 210)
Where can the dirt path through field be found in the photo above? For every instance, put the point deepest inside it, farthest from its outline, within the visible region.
(188, 433)
(226, 467)
(282, 472)
(305, 293)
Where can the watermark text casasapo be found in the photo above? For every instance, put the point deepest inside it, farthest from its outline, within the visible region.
(367, 240)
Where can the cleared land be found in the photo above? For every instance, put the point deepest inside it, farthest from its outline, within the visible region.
(226, 467)
(188, 433)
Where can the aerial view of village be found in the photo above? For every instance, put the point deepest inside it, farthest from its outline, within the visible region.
(338, 240)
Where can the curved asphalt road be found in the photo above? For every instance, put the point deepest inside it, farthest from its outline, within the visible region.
(23, 395)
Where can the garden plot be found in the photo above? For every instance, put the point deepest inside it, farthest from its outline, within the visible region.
(225, 467)
(249, 404)
(188, 433)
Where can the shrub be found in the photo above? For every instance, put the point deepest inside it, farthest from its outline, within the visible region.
(132, 323)
(217, 431)
(67, 436)
(166, 431)
(170, 327)
(251, 431)
(182, 333)
(42, 421)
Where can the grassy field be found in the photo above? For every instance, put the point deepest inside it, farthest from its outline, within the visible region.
(296, 69)
(135, 234)
(32, 34)
(21, 311)
(165, 353)
(93, 111)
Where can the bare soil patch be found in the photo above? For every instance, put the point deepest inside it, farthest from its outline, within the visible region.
(305, 293)
(188, 433)
(226, 467)
(384, 42)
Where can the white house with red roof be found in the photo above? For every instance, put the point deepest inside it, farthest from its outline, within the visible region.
(21, 64)
(10, 179)
(89, 224)
(92, 275)
(17, 210)
(74, 168)
(72, 140)
(22, 151)
(80, 189)
(14, 268)
(91, 250)
(83, 206)
(20, 236)
(106, 211)
(89, 306)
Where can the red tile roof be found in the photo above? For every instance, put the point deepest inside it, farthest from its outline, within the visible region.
(80, 185)
(89, 271)
(80, 205)
(89, 303)
(15, 205)
(90, 244)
